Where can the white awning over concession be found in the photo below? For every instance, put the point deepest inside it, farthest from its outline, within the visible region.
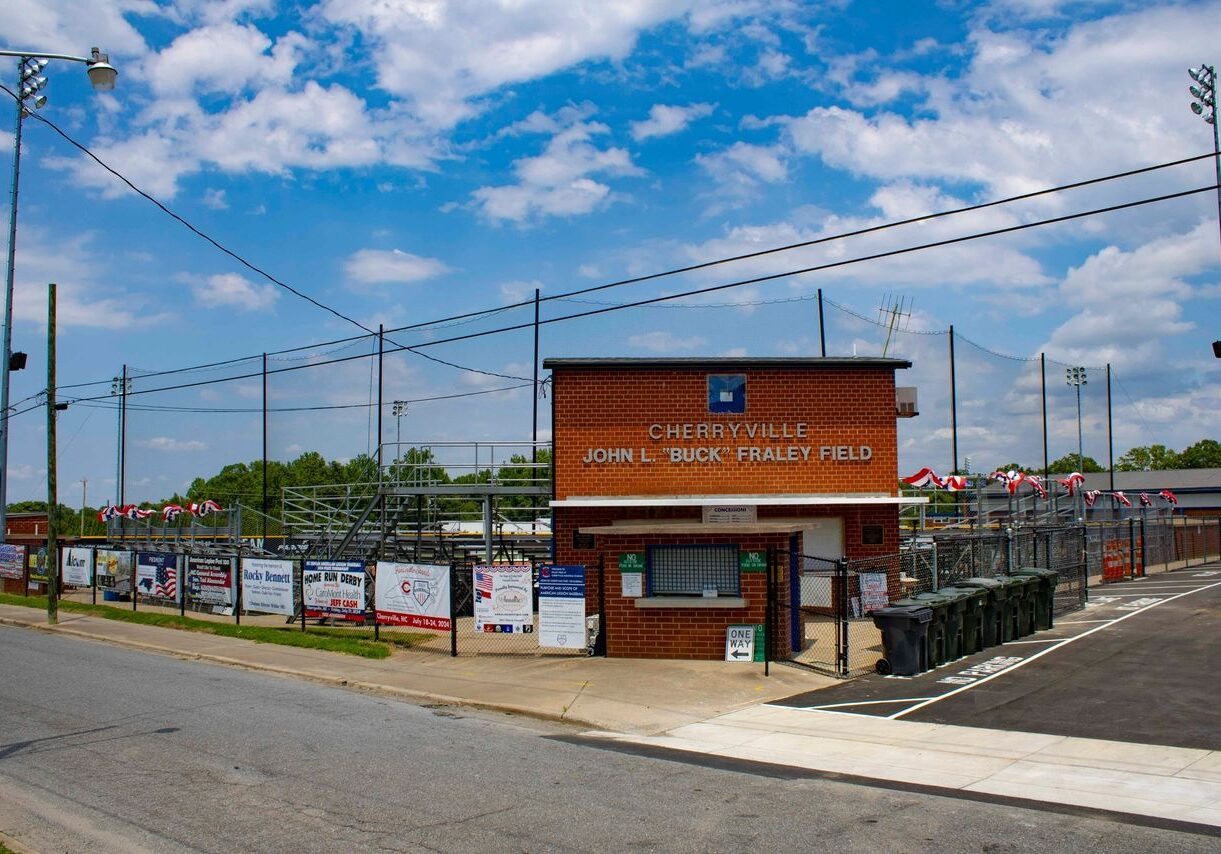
(754, 500)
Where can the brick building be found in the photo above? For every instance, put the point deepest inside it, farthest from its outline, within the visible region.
(673, 475)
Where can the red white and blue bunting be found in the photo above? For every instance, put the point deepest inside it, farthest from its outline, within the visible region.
(1012, 480)
(169, 512)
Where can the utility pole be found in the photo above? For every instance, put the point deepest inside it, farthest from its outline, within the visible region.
(52, 500)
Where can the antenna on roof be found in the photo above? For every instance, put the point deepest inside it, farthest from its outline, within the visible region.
(894, 313)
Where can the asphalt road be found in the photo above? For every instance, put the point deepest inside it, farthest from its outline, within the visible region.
(107, 749)
(1138, 664)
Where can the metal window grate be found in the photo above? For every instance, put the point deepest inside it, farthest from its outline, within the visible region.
(686, 570)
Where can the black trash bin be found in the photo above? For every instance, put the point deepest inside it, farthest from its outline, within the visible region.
(1045, 593)
(995, 609)
(972, 616)
(947, 609)
(905, 639)
(1022, 595)
(937, 628)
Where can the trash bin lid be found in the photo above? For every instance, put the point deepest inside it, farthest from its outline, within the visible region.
(978, 594)
(950, 594)
(913, 613)
(982, 583)
(1040, 571)
(1018, 582)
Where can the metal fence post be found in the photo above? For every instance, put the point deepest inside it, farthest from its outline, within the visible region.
(1131, 548)
(302, 577)
(1144, 549)
(1085, 561)
(936, 581)
(453, 614)
(841, 567)
(180, 568)
(769, 605)
(94, 573)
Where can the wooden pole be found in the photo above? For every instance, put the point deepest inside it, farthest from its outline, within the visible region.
(52, 567)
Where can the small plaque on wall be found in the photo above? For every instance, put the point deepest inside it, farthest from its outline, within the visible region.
(583, 541)
(873, 535)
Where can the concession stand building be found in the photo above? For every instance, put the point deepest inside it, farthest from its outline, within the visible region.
(675, 475)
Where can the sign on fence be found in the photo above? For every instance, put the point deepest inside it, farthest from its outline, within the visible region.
(157, 575)
(561, 606)
(77, 566)
(12, 561)
(334, 586)
(874, 594)
(504, 598)
(37, 562)
(210, 580)
(114, 569)
(267, 586)
(412, 594)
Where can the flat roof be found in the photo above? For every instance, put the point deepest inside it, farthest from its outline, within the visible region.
(727, 362)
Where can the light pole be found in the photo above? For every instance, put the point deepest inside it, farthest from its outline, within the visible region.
(398, 410)
(1076, 377)
(29, 82)
(1205, 106)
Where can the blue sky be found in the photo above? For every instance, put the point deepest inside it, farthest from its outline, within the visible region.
(411, 161)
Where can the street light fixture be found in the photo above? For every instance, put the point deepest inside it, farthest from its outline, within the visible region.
(1076, 377)
(30, 82)
(1204, 105)
(398, 411)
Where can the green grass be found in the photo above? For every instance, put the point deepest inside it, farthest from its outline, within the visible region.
(358, 641)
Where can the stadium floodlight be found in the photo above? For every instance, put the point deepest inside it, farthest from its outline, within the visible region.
(30, 82)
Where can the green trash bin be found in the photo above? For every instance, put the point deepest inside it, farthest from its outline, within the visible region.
(972, 616)
(1011, 617)
(1023, 593)
(995, 608)
(952, 603)
(1045, 593)
(938, 627)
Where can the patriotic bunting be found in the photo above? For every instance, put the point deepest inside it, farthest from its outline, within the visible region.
(1013, 479)
(954, 483)
(1169, 496)
(1145, 500)
(169, 512)
(923, 478)
(1091, 495)
(1071, 482)
(1036, 483)
(1121, 498)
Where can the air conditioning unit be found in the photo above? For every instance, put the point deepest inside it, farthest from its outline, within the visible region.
(905, 402)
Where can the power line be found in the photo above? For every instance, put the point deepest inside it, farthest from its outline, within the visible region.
(740, 283)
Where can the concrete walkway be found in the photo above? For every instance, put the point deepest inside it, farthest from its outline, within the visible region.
(619, 694)
(1171, 783)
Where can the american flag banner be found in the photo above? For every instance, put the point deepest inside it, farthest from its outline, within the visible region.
(483, 584)
(923, 478)
(170, 512)
(1169, 496)
(206, 507)
(109, 512)
(166, 583)
(954, 482)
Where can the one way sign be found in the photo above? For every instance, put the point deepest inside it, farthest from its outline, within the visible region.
(740, 643)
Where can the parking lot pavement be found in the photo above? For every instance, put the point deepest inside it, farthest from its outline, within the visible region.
(1138, 664)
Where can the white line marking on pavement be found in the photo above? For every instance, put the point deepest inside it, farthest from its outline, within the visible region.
(1044, 652)
(1045, 640)
(866, 703)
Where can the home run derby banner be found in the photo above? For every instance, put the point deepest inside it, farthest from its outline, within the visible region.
(504, 598)
(334, 586)
(76, 566)
(157, 575)
(412, 594)
(12, 561)
(561, 606)
(210, 580)
(114, 569)
(267, 586)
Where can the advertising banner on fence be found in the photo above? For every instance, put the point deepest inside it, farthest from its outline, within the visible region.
(157, 575)
(504, 598)
(561, 606)
(36, 560)
(12, 561)
(334, 586)
(114, 569)
(267, 586)
(874, 594)
(210, 580)
(76, 565)
(412, 594)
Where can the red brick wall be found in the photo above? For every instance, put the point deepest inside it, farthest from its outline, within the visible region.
(614, 407)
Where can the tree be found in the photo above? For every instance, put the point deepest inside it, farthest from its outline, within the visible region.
(1069, 463)
(1204, 454)
(1014, 467)
(1153, 457)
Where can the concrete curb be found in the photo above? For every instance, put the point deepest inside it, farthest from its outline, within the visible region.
(335, 681)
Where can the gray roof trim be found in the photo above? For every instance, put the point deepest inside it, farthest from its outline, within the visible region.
(724, 363)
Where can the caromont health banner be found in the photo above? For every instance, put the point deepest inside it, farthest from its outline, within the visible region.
(267, 586)
(412, 594)
(504, 598)
(77, 566)
(334, 586)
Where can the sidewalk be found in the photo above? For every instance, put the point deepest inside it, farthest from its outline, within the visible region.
(618, 694)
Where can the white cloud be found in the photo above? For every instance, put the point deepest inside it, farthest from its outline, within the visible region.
(379, 266)
(557, 182)
(215, 199)
(665, 342)
(665, 120)
(741, 169)
(223, 58)
(520, 291)
(167, 443)
(60, 27)
(230, 290)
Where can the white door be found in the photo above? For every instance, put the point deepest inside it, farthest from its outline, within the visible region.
(821, 538)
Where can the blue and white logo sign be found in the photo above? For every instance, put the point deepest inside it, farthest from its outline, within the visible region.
(726, 392)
